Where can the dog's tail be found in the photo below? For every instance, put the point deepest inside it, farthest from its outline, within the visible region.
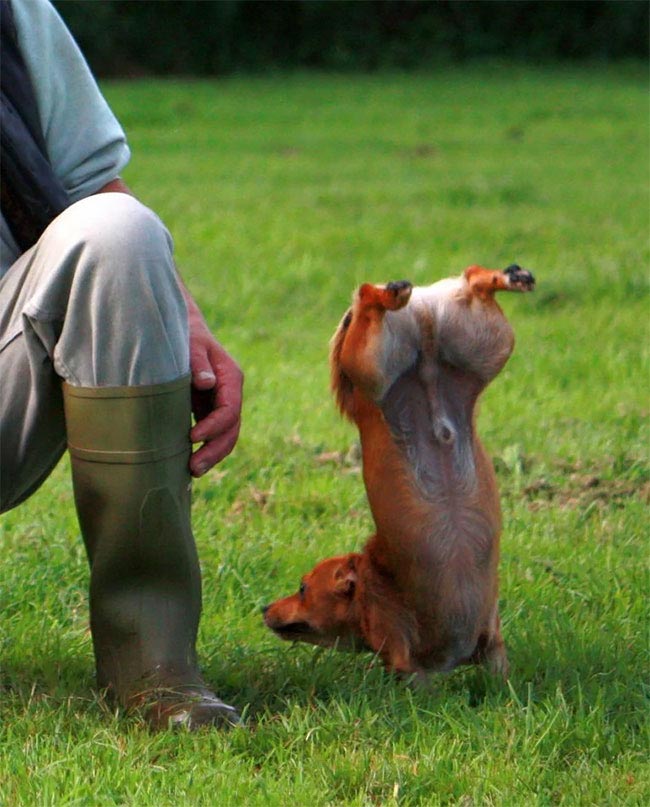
(341, 385)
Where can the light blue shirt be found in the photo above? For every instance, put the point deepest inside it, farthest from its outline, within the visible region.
(86, 144)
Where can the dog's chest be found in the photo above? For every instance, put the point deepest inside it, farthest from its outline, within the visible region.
(433, 429)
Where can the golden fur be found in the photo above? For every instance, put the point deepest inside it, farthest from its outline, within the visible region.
(407, 367)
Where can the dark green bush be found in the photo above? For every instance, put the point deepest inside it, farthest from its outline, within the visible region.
(204, 38)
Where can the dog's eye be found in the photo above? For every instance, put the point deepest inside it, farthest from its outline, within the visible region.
(302, 589)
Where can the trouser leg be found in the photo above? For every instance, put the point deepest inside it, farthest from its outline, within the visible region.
(96, 303)
(32, 424)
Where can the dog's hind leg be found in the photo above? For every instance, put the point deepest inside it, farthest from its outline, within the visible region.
(389, 297)
(473, 333)
(359, 347)
(485, 282)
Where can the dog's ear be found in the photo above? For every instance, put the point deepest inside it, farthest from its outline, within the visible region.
(340, 383)
(346, 576)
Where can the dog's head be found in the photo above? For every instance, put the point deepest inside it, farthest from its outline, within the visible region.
(322, 611)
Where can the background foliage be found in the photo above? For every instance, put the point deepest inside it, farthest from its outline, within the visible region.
(191, 37)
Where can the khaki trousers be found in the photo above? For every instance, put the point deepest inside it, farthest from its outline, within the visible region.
(95, 302)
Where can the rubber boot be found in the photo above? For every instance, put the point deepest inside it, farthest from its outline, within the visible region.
(130, 448)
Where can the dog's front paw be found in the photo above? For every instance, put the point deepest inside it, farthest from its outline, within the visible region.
(519, 279)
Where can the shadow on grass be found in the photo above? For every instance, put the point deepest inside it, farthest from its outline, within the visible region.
(296, 683)
(278, 682)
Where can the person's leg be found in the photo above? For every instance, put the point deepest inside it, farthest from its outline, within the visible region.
(32, 423)
(95, 303)
(101, 309)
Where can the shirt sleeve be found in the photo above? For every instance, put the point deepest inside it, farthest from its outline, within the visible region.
(86, 145)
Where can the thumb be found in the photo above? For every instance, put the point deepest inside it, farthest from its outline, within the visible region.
(203, 376)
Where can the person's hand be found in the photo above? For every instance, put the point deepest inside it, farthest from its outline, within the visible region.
(217, 385)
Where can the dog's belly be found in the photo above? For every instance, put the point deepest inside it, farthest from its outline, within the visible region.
(445, 549)
(432, 426)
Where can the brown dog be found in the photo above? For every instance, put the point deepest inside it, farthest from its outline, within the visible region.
(408, 365)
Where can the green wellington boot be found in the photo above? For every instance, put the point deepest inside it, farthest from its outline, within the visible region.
(130, 448)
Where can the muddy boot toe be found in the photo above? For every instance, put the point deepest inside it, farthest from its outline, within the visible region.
(190, 709)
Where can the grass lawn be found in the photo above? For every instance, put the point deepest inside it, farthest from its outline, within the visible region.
(284, 193)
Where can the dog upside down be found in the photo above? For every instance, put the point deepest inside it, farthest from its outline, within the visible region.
(408, 365)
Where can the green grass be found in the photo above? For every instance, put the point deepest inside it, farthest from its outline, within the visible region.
(283, 193)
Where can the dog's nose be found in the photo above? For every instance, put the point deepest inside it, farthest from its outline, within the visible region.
(265, 608)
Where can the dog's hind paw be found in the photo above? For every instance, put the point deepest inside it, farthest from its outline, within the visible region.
(390, 297)
(519, 279)
(400, 290)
